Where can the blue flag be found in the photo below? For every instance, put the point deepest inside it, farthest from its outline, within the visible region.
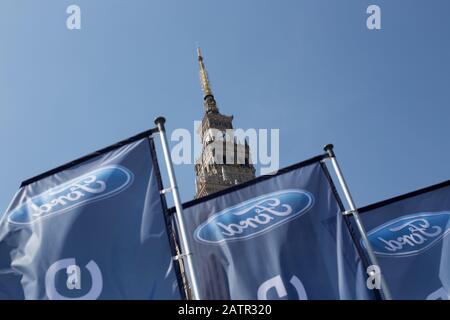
(95, 229)
(409, 235)
(275, 237)
(10, 287)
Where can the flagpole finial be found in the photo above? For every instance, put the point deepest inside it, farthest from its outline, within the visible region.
(160, 121)
(329, 149)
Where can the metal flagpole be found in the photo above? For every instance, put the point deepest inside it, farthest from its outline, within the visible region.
(373, 260)
(186, 252)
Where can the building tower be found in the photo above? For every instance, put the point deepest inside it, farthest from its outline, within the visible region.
(224, 161)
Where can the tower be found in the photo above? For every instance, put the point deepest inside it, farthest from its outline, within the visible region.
(224, 160)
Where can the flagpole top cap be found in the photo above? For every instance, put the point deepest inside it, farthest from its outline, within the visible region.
(160, 120)
(329, 148)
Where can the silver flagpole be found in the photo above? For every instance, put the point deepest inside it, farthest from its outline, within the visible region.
(186, 252)
(373, 260)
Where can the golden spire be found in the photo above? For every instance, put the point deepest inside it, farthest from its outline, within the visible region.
(203, 75)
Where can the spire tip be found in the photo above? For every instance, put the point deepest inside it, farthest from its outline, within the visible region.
(203, 74)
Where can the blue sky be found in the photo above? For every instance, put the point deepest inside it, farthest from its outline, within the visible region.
(310, 68)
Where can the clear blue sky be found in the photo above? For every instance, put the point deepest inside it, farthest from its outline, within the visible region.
(310, 68)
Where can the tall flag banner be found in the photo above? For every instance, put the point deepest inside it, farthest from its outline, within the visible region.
(275, 237)
(409, 235)
(93, 229)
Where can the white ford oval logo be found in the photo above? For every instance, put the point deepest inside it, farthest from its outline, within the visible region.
(255, 216)
(410, 235)
(93, 186)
